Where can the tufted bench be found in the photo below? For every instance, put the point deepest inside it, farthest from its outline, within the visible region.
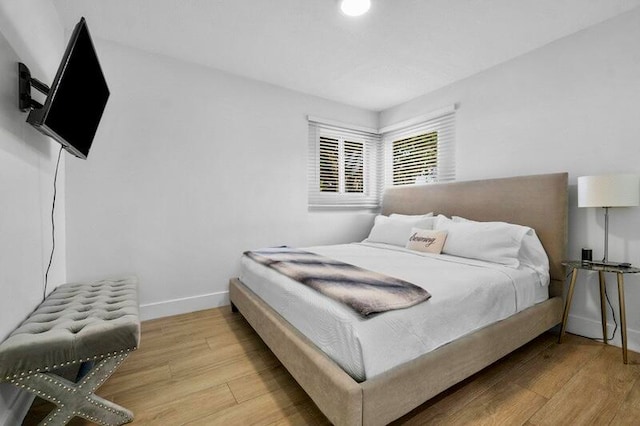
(92, 324)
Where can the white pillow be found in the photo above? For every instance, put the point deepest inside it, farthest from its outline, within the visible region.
(440, 221)
(396, 231)
(426, 240)
(496, 242)
(531, 253)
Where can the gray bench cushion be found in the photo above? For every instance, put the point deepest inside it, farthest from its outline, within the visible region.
(75, 323)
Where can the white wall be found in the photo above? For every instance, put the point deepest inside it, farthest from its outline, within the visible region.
(27, 164)
(573, 105)
(194, 166)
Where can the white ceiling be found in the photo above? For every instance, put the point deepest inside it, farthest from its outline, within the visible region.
(400, 50)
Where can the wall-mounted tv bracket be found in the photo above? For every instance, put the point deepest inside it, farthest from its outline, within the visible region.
(25, 83)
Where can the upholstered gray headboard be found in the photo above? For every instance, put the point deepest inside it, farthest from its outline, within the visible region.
(538, 201)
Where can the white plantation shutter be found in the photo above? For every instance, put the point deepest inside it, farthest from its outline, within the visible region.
(353, 166)
(329, 164)
(422, 151)
(344, 166)
(414, 158)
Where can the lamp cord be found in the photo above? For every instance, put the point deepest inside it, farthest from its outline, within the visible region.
(613, 314)
(53, 226)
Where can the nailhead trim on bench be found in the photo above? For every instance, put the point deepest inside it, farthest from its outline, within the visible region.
(75, 321)
(46, 369)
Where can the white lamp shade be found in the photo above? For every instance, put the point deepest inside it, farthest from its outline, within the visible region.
(609, 191)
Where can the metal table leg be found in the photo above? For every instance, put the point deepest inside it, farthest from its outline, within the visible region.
(623, 316)
(603, 309)
(567, 304)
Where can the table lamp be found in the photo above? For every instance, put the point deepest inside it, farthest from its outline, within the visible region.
(608, 191)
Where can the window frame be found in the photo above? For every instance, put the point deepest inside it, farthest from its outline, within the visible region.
(341, 159)
(369, 198)
(441, 122)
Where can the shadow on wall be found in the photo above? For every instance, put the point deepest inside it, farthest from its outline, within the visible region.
(31, 33)
(13, 122)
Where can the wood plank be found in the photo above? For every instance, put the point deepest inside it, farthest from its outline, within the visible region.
(144, 377)
(146, 397)
(304, 415)
(254, 385)
(555, 366)
(208, 360)
(503, 403)
(593, 395)
(265, 409)
(633, 397)
(629, 411)
(147, 327)
(189, 408)
(458, 396)
(249, 340)
(150, 357)
(627, 415)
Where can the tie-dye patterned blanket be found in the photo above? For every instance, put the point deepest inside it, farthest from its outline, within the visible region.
(364, 291)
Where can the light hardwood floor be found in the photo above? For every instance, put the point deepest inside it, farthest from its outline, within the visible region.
(210, 368)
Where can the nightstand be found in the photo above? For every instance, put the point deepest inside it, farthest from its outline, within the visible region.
(619, 271)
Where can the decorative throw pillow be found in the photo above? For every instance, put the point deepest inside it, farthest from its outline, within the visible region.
(426, 240)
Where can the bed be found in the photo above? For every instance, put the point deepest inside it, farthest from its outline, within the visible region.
(539, 202)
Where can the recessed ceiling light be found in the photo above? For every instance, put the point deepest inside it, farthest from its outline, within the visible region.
(355, 7)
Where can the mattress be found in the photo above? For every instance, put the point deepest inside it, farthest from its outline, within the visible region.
(466, 294)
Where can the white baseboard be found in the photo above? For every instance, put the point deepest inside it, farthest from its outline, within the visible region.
(18, 407)
(183, 305)
(593, 328)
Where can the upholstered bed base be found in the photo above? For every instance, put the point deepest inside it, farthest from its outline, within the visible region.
(536, 201)
(390, 395)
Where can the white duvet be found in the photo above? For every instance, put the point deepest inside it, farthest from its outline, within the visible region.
(466, 295)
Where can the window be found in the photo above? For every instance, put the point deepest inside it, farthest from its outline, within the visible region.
(350, 166)
(415, 159)
(344, 166)
(341, 165)
(353, 167)
(420, 150)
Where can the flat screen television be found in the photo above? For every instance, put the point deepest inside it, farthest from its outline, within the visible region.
(77, 97)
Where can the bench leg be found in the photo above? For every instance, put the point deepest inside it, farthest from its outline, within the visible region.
(78, 399)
